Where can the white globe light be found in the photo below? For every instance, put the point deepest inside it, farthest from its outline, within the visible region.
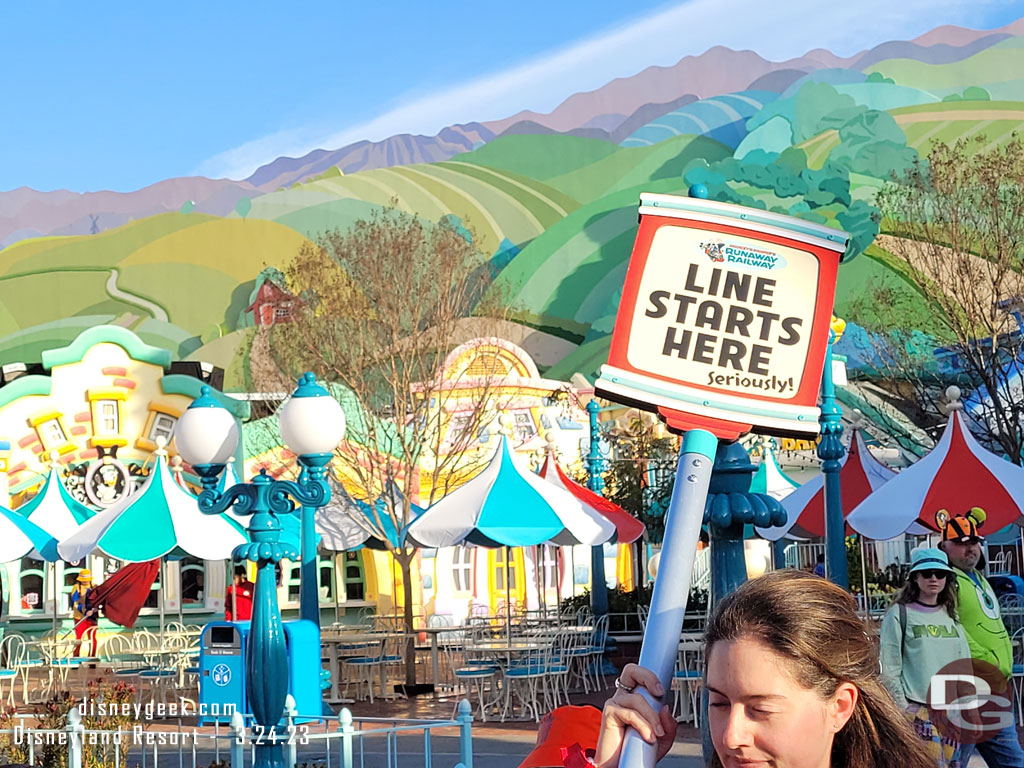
(206, 435)
(311, 423)
(757, 564)
(652, 565)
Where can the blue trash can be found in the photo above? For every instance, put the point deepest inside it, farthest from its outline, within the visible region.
(222, 671)
(303, 638)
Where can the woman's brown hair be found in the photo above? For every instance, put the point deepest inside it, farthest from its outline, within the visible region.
(813, 625)
(947, 597)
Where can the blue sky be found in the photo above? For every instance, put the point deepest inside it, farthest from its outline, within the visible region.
(119, 95)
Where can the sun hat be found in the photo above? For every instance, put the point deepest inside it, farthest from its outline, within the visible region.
(929, 559)
(84, 575)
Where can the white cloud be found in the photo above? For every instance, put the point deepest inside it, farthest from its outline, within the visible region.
(787, 30)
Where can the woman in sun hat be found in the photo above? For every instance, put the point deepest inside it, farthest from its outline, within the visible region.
(920, 636)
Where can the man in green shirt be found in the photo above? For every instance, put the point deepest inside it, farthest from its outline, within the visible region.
(978, 610)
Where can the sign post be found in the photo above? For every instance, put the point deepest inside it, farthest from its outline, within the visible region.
(722, 329)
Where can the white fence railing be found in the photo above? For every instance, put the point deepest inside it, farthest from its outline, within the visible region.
(702, 569)
(878, 555)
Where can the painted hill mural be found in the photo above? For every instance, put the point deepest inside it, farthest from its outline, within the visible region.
(193, 264)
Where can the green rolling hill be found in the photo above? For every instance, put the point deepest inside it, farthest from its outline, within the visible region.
(540, 157)
(995, 69)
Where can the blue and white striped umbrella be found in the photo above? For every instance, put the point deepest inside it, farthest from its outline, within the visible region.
(161, 518)
(54, 509)
(507, 505)
(20, 537)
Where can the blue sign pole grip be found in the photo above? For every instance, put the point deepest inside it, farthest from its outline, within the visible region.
(675, 574)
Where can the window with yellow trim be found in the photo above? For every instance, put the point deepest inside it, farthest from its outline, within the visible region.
(52, 433)
(499, 570)
(163, 417)
(105, 405)
(107, 418)
(163, 426)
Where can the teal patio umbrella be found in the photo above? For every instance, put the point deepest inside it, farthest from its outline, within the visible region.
(508, 505)
(158, 520)
(58, 513)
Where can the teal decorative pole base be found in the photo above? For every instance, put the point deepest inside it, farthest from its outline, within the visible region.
(266, 660)
(831, 451)
(598, 580)
(730, 508)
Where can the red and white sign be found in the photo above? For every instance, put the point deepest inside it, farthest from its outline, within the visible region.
(724, 318)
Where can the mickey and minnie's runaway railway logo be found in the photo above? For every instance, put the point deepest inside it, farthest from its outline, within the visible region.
(723, 305)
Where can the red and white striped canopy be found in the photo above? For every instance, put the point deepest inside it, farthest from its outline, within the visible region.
(958, 474)
(628, 528)
(861, 475)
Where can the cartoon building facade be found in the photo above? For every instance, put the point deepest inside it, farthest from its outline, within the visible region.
(459, 581)
(97, 412)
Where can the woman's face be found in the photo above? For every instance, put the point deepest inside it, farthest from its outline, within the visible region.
(759, 716)
(930, 584)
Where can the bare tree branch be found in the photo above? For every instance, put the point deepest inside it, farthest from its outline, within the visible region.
(956, 225)
(381, 312)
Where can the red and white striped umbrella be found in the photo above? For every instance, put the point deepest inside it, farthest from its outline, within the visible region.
(956, 475)
(861, 475)
(628, 529)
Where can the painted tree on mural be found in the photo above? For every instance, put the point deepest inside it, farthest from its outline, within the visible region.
(954, 227)
(820, 195)
(382, 307)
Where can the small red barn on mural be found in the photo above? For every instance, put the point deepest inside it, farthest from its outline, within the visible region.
(272, 304)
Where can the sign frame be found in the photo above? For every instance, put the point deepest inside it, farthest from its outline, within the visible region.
(691, 404)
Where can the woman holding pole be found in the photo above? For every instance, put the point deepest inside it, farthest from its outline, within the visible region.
(793, 682)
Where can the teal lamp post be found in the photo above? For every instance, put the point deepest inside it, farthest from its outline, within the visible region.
(598, 581)
(730, 510)
(831, 451)
(312, 424)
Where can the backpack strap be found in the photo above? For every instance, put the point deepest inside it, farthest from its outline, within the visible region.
(903, 627)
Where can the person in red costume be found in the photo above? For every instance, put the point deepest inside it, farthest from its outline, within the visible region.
(241, 592)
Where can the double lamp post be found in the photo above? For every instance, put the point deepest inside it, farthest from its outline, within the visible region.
(312, 424)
